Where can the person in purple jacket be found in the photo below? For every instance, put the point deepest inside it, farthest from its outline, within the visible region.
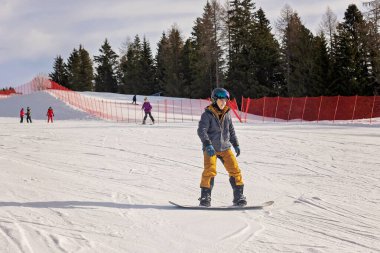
(147, 107)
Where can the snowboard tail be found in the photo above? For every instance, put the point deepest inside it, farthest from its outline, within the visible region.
(223, 208)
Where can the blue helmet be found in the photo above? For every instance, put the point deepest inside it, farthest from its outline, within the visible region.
(219, 93)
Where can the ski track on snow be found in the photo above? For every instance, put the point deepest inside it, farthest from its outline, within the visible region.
(103, 187)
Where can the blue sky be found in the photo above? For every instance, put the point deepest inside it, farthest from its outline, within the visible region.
(34, 32)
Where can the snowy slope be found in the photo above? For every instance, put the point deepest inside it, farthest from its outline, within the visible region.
(94, 186)
(39, 103)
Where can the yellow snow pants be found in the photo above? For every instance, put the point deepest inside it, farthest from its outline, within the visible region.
(230, 163)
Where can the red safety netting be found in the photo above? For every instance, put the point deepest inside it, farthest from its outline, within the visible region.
(7, 92)
(313, 108)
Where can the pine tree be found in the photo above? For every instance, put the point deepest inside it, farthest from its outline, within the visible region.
(207, 60)
(241, 70)
(298, 51)
(131, 68)
(86, 73)
(73, 70)
(188, 62)
(170, 60)
(147, 69)
(79, 70)
(266, 58)
(352, 75)
(161, 66)
(106, 70)
(321, 71)
(59, 75)
(373, 43)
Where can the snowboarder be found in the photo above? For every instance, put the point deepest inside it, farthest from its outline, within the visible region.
(134, 100)
(28, 115)
(217, 133)
(50, 114)
(22, 113)
(147, 107)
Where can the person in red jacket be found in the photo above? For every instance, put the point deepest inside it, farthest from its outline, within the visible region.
(50, 114)
(22, 113)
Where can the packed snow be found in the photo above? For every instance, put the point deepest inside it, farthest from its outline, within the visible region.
(85, 185)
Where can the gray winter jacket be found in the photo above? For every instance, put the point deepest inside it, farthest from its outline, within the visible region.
(218, 132)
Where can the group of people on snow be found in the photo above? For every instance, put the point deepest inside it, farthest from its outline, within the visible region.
(28, 115)
(49, 114)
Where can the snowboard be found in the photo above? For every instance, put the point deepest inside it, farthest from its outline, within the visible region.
(223, 208)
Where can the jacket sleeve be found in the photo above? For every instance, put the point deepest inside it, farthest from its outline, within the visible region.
(233, 138)
(203, 127)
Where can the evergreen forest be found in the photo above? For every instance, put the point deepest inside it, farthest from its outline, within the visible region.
(233, 45)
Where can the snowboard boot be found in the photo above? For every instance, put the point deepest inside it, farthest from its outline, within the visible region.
(143, 122)
(205, 199)
(239, 198)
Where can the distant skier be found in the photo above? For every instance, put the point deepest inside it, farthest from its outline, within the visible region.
(28, 115)
(217, 133)
(134, 100)
(50, 114)
(147, 107)
(22, 113)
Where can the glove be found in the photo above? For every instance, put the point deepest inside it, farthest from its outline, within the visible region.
(237, 150)
(210, 150)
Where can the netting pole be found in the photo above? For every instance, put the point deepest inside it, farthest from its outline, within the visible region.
(191, 110)
(65, 98)
(112, 117)
(353, 113)
(166, 111)
(304, 108)
(117, 116)
(80, 102)
(336, 108)
(69, 95)
(319, 110)
(106, 109)
(290, 109)
(121, 109)
(86, 104)
(98, 108)
(128, 111)
(241, 107)
(93, 112)
(246, 109)
(173, 112)
(264, 109)
(275, 113)
(136, 114)
(76, 100)
(88, 100)
(158, 108)
(373, 107)
(94, 106)
(181, 111)
(103, 109)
